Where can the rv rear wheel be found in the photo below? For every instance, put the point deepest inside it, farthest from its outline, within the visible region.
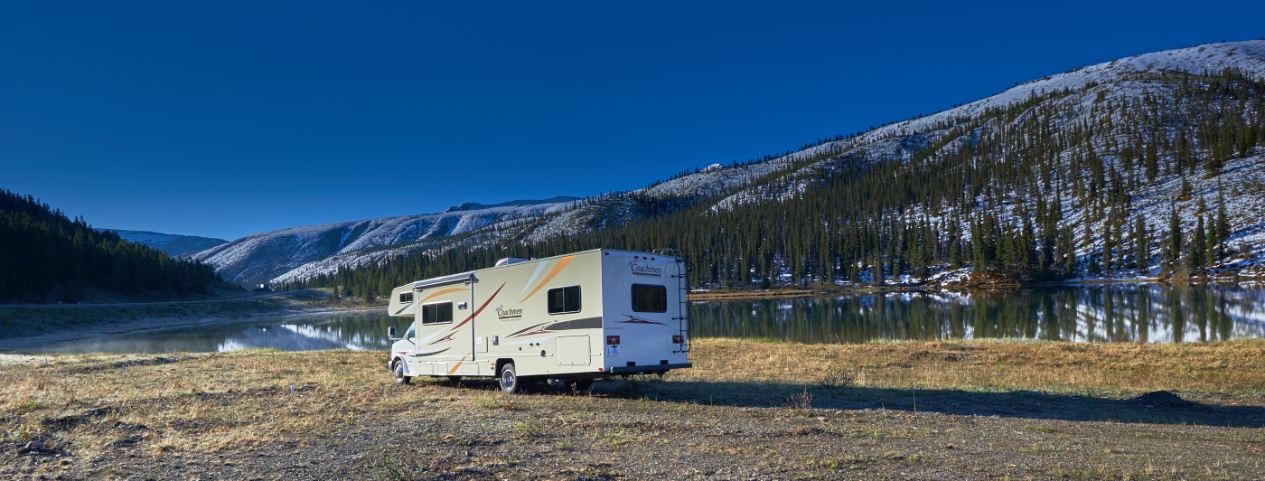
(397, 370)
(509, 379)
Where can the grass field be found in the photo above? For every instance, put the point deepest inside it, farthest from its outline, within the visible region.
(961, 410)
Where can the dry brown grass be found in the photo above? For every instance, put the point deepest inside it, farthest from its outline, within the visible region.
(208, 403)
(202, 403)
(1236, 367)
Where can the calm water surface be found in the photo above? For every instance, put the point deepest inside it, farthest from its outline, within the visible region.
(1107, 313)
(1100, 313)
(364, 330)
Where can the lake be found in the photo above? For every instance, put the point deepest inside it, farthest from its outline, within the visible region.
(1094, 313)
(359, 330)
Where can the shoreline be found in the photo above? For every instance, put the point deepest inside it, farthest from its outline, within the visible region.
(818, 290)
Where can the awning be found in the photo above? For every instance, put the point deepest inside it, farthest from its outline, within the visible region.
(445, 280)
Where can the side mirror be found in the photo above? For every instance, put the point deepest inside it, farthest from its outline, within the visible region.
(391, 332)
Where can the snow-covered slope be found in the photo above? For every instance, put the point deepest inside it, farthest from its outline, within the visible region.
(1081, 97)
(1128, 79)
(1124, 75)
(298, 253)
(174, 245)
(1123, 78)
(260, 258)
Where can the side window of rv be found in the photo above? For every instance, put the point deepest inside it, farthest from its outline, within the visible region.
(406, 297)
(437, 313)
(647, 298)
(564, 300)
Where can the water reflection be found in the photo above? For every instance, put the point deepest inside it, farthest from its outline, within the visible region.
(355, 331)
(1107, 313)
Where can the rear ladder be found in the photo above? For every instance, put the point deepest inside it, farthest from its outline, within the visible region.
(683, 303)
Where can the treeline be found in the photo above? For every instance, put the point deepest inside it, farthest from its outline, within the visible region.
(46, 256)
(1040, 189)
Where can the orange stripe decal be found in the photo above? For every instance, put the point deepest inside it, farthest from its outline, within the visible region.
(556, 269)
(458, 366)
(441, 292)
(480, 309)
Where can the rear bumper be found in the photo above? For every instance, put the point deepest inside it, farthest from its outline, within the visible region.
(648, 368)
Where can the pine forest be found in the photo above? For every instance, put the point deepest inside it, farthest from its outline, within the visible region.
(45, 257)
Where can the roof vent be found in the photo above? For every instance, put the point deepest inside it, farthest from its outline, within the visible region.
(509, 260)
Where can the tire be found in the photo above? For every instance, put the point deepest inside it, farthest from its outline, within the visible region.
(397, 371)
(509, 381)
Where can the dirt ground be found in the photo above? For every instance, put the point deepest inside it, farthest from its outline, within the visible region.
(337, 415)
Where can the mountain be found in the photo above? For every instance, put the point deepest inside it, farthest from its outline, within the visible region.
(174, 245)
(45, 257)
(281, 255)
(469, 206)
(1146, 166)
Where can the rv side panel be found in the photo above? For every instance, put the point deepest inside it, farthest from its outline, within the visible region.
(540, 308)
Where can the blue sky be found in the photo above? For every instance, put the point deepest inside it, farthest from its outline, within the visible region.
(223, 119)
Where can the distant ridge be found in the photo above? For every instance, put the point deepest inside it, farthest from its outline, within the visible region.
(174, 245)
(300, 252)
(468, 206)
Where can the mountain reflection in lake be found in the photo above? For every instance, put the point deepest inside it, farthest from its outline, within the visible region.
(1095, 313)
(358, 331)
(1100, 313)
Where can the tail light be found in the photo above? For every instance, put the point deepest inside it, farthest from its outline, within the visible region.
(612, 340)
(678, 339)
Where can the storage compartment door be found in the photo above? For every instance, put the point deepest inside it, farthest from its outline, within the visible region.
(573, 350)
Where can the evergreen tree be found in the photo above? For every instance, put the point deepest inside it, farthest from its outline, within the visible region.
(1141, 244)
(1067, 252)
(1152, 162)
(1108, 245)
(1184, 195)
(1118, 240)
(1198, 246)
(1223, 232)
(1173, 249)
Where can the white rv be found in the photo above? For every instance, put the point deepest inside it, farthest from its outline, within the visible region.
(570, 318)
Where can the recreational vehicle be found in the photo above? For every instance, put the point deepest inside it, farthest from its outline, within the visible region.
(571, 318)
